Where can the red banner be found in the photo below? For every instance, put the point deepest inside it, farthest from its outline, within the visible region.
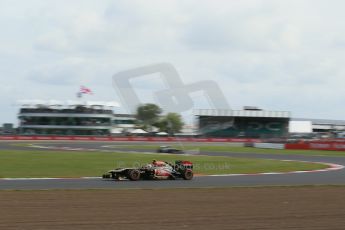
(318, 145)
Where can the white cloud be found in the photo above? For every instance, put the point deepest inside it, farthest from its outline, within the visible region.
(276, 54)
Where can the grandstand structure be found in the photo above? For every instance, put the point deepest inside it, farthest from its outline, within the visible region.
(38, 117)
(123, 123)
(97, 118)
(251, 122)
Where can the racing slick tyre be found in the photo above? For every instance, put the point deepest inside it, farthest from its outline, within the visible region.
(134, 174)
(187, 174)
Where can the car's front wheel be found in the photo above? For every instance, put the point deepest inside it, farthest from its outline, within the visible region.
(134, 174)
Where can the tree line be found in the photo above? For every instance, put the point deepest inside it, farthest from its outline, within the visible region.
(150, 115)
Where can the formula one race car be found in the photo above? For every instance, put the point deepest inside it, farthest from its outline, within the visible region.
(168, 149)
(156, 170)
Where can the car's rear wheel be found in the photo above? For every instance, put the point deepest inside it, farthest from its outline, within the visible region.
(187, 174)
(134, 174)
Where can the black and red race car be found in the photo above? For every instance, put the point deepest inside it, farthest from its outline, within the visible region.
(157, 170)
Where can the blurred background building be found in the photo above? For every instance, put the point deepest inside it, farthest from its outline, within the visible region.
(53, 117)
(250, 122)
(99, 118)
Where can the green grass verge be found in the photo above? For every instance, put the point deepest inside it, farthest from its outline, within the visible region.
(77, 164)
(235, 149)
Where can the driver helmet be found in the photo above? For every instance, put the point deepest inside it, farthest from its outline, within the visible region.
(158, 163)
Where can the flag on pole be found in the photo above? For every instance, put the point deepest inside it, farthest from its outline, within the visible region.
(84, 90)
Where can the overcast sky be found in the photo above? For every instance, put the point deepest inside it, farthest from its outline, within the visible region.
(274, 54)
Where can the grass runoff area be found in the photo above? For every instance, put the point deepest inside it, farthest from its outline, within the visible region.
(37, 163)
(235, 149)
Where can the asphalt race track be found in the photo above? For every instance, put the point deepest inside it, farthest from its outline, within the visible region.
(336, 177)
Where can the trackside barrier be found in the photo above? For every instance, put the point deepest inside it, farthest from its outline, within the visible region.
(269, 145)
(317, 145)
(153, 139)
